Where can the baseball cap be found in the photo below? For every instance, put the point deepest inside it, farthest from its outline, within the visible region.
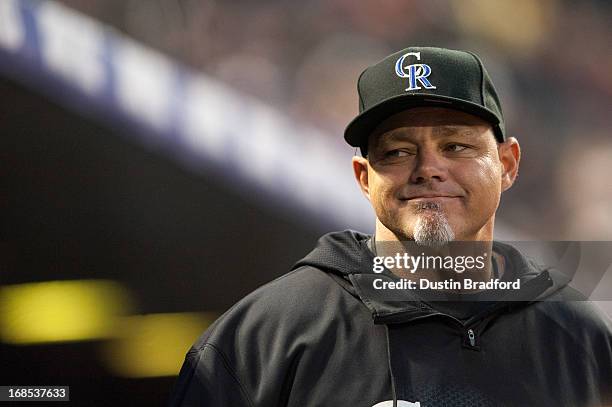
(424, 76)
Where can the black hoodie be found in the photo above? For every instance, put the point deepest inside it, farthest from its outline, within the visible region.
(318, 337)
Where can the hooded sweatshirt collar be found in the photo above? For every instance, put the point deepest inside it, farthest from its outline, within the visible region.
(346, 257)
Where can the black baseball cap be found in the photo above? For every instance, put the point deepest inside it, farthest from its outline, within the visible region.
(424, 76)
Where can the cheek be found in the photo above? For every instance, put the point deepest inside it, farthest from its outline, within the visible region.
(494, 170)
(486, 181)
(382, 191)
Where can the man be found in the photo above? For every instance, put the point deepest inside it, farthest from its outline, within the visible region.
(336, 331)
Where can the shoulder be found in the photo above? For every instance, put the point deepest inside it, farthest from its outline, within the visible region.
(574, 308)
(287, 307)
(580, 319)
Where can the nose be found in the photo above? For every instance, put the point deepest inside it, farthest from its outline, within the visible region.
(429, 166)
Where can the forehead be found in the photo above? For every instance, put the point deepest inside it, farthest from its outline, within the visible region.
(439, 122)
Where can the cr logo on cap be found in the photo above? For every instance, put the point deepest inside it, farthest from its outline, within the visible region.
(414, 72)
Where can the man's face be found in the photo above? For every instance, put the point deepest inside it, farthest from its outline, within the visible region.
(436, 174)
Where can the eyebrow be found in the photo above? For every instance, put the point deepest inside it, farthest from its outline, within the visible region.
(454, 130)
(438, 131)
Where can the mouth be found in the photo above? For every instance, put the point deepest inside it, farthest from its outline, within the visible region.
(426, 203)
(422, 198)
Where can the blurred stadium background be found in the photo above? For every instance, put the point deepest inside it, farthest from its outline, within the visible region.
(162, 158)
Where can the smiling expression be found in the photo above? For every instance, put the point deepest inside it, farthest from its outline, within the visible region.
(436, 158)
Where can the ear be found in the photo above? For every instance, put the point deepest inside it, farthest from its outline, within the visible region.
(360, 170)
(509, 156)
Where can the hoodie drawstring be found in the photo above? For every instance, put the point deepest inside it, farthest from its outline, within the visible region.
(389, 365)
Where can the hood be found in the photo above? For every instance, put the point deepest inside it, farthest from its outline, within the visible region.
(347, 258)
(342, 253)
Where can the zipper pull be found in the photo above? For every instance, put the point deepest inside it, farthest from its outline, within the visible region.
(471, 337)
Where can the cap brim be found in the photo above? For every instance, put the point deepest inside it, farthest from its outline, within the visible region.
(360, 128)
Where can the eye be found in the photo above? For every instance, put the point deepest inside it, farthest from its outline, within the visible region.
(397, 153)
(455, 148)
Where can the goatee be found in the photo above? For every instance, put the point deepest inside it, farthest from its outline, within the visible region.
(432, 228)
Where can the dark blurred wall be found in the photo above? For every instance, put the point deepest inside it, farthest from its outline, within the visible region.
(80, 201)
